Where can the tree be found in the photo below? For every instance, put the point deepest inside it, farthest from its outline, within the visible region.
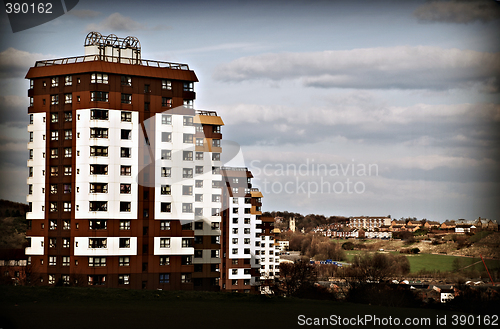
(377, 268)
(296, 278)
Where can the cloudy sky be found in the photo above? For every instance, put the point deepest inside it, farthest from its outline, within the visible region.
(340, 107)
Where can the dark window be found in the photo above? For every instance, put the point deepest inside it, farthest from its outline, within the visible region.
(99, 151)
(164, 277)
(126, 133)
(165, 207)
(125, 206)
(97, 169)
(125, 188)
(98, 188)
(126, 80)
(166, 102)
(125, 152)
(125, 170)
(126, 116)
(98, 132)
(126, 99)
(98, 205)
(98, 224)
(99, 114)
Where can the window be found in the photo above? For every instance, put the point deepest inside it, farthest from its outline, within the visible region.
(98, 205)
(216, 129)
(31, 154)
(126, 116)
(164, 225)
(247, 231)
(99, 96)
(216, 142)
(54, 117)
(98, 242)
(54, 81)
(99, 151)
(187, 242)
(99, 114)
(166, 119)
(124, 243)
(164, 277)
(30, 171)
(246, 240)
(187, 173)
(215, 212)
(98, 224)
(52, 279)
(166, 84)
(125, 188)
(166, 102)
(187, 155)
(54, 171)
(67, 223)
(166, 137)
(123, 279)
(68, 134)
(198, 183)
(199, 142)
(54, 135)
(216, 170)
(187, 207)
(125, 170)
(188, 86)
(52, 260)
(215, 156)
(52, 242)
(98, 188)
(31, 119)
(186, 260)
(125, 206)
(187, 190)
(187, 226)
(68, 80)
(235, 191)
(166, 154)
(165, 207)
(126, 152)
(31, 136)
(198, 170)
(68, 98)
(126, 99)
(66, 205)
(166, 172)
(98, 132)
(124, 225)
(96, 169)
(187, 138)
(96, 280)
(188, 103)
(187, 121)
(126, 134)
(185, 277)
(216, 198)
(235, 240)
(99, 78)
(247, 210)
(67, 152)
(53, 206)
(54, 153)
(164, 260)
(97, 261)
(126, 80)
(164, 242)
(65, 242)
(246, 251)
(30, 189)
(215, 226)
(65, 261)
(165, 190)
(215, 253)
(216, 184)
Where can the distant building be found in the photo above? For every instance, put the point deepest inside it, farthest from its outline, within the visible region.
(368, 222)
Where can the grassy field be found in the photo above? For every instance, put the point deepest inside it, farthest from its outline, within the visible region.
(65, 307)
(442, 263)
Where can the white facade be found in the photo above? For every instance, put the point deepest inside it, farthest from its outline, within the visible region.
(82, 247)
(36, 166)
(114, 161)
(37, 246)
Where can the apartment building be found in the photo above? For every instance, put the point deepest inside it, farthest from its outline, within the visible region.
(125, 181)
(124, 185)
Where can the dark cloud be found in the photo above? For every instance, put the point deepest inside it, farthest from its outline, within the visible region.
(458, 11)
(84, 13)
(118, 22)
(14, 111)
(401, 67)
(15, 63)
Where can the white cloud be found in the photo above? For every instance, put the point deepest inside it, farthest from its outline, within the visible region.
(118, 22)
(458, 11)
(402, 67)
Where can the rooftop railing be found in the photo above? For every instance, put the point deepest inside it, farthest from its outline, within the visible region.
(111, 59)
(207, 113)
